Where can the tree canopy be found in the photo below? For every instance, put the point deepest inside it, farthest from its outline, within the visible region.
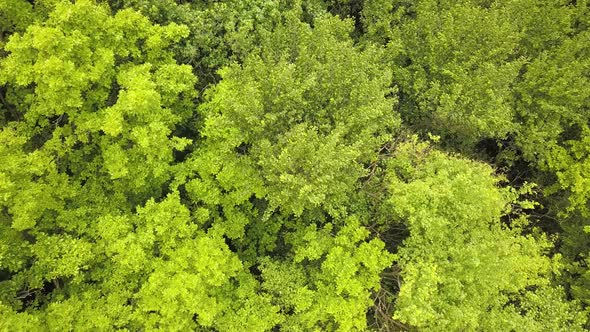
(309, 165)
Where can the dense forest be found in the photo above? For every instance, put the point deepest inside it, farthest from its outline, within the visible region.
(294, 165)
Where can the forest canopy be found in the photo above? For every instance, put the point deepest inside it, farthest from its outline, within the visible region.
(302, 165)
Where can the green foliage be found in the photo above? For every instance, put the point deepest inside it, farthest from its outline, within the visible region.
(329, 291)
(220, 32)
(286, 188)
(454, 63)
(462, 268)
(556, 88)
(304, 116)
(14, 15)
(83, 78)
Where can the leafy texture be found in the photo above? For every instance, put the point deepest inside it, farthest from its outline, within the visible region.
(462, 268)
(309, 165)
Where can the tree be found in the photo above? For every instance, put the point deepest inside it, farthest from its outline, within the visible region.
(454, 64)
(97, 203)
(94, 101)
(285, 138)
(462, 267)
